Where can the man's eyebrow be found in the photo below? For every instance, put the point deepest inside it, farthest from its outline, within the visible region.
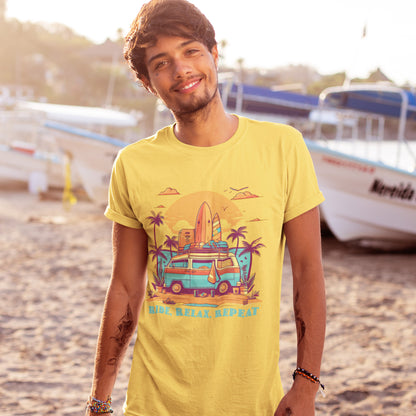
(154, 57)
(163, 54)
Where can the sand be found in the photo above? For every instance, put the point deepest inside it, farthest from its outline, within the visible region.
(54, 269)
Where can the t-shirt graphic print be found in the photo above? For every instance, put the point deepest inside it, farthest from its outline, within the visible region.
(207, 260)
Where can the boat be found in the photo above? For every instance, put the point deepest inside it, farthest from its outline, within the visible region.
(91, 154)
(367, 170)
(277, 105)
(29, 152)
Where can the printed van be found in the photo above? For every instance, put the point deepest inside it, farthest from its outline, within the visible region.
(218, 272)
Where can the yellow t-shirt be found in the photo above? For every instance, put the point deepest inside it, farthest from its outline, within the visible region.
(208, 332)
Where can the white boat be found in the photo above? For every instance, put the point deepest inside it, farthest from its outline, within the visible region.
(38, 169)
(369, 181)
(92, 156)
(29, 152)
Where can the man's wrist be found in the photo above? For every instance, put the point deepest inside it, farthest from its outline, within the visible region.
(97, 406)
(305, 387)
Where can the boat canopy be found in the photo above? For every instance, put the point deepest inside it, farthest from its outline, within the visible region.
(376, 99)
(250, 98)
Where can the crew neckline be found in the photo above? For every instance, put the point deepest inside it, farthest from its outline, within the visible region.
(189, 148)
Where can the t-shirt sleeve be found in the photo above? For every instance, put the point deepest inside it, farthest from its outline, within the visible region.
(119, 207)
(303, 191)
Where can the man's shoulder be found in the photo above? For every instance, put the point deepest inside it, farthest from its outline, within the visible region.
(144, 146)
(269, 130)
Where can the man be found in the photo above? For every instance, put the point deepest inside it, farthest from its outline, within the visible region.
(203, 208)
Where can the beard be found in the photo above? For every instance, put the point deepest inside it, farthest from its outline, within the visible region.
(195, 106)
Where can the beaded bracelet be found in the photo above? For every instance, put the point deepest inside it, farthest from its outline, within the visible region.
(97, 406)
(309, 376)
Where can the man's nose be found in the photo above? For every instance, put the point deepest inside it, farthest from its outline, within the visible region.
(181, 68)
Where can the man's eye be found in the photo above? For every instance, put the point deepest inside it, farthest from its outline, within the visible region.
(160, 64)
(192, 51)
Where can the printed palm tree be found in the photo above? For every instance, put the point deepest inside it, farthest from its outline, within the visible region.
(252, 248)
(170, 243)
(156, 220)
(156, 253)
(236, 235)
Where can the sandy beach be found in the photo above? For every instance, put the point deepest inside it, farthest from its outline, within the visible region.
(54, 269)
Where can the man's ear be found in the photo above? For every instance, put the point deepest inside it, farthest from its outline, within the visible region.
(214, 53)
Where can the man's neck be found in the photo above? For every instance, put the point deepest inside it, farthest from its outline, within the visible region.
(208, 127)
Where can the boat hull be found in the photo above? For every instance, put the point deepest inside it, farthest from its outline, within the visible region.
(92, 161)
(21, 166)
(366, 201)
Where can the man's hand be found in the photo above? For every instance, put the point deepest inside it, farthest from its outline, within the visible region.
(292, 406)
(299, 400)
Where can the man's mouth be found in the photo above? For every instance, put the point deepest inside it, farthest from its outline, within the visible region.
(188, 86)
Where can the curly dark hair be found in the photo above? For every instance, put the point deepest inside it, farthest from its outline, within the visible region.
(164, 18)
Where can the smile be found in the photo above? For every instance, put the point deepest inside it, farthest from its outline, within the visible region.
(189, 86)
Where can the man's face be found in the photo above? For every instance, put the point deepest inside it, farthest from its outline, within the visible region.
(182, 73)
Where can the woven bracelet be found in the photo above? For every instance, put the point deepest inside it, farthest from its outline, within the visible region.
(97, 406)
(309, 376)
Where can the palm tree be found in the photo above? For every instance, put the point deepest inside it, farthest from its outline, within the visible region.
(252, 248)
(156, 220)
(170, 243)
(156, 253)
(236, 235)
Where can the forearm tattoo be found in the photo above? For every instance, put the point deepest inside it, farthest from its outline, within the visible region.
(125, 330)
(300, 323)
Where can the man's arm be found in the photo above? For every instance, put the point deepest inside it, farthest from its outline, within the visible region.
(124, 299)
(304, 244)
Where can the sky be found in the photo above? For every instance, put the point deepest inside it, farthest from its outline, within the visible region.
(324, 34)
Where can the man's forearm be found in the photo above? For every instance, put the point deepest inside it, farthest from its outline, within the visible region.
(310, 315)
(118, 324)
(304, 243)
